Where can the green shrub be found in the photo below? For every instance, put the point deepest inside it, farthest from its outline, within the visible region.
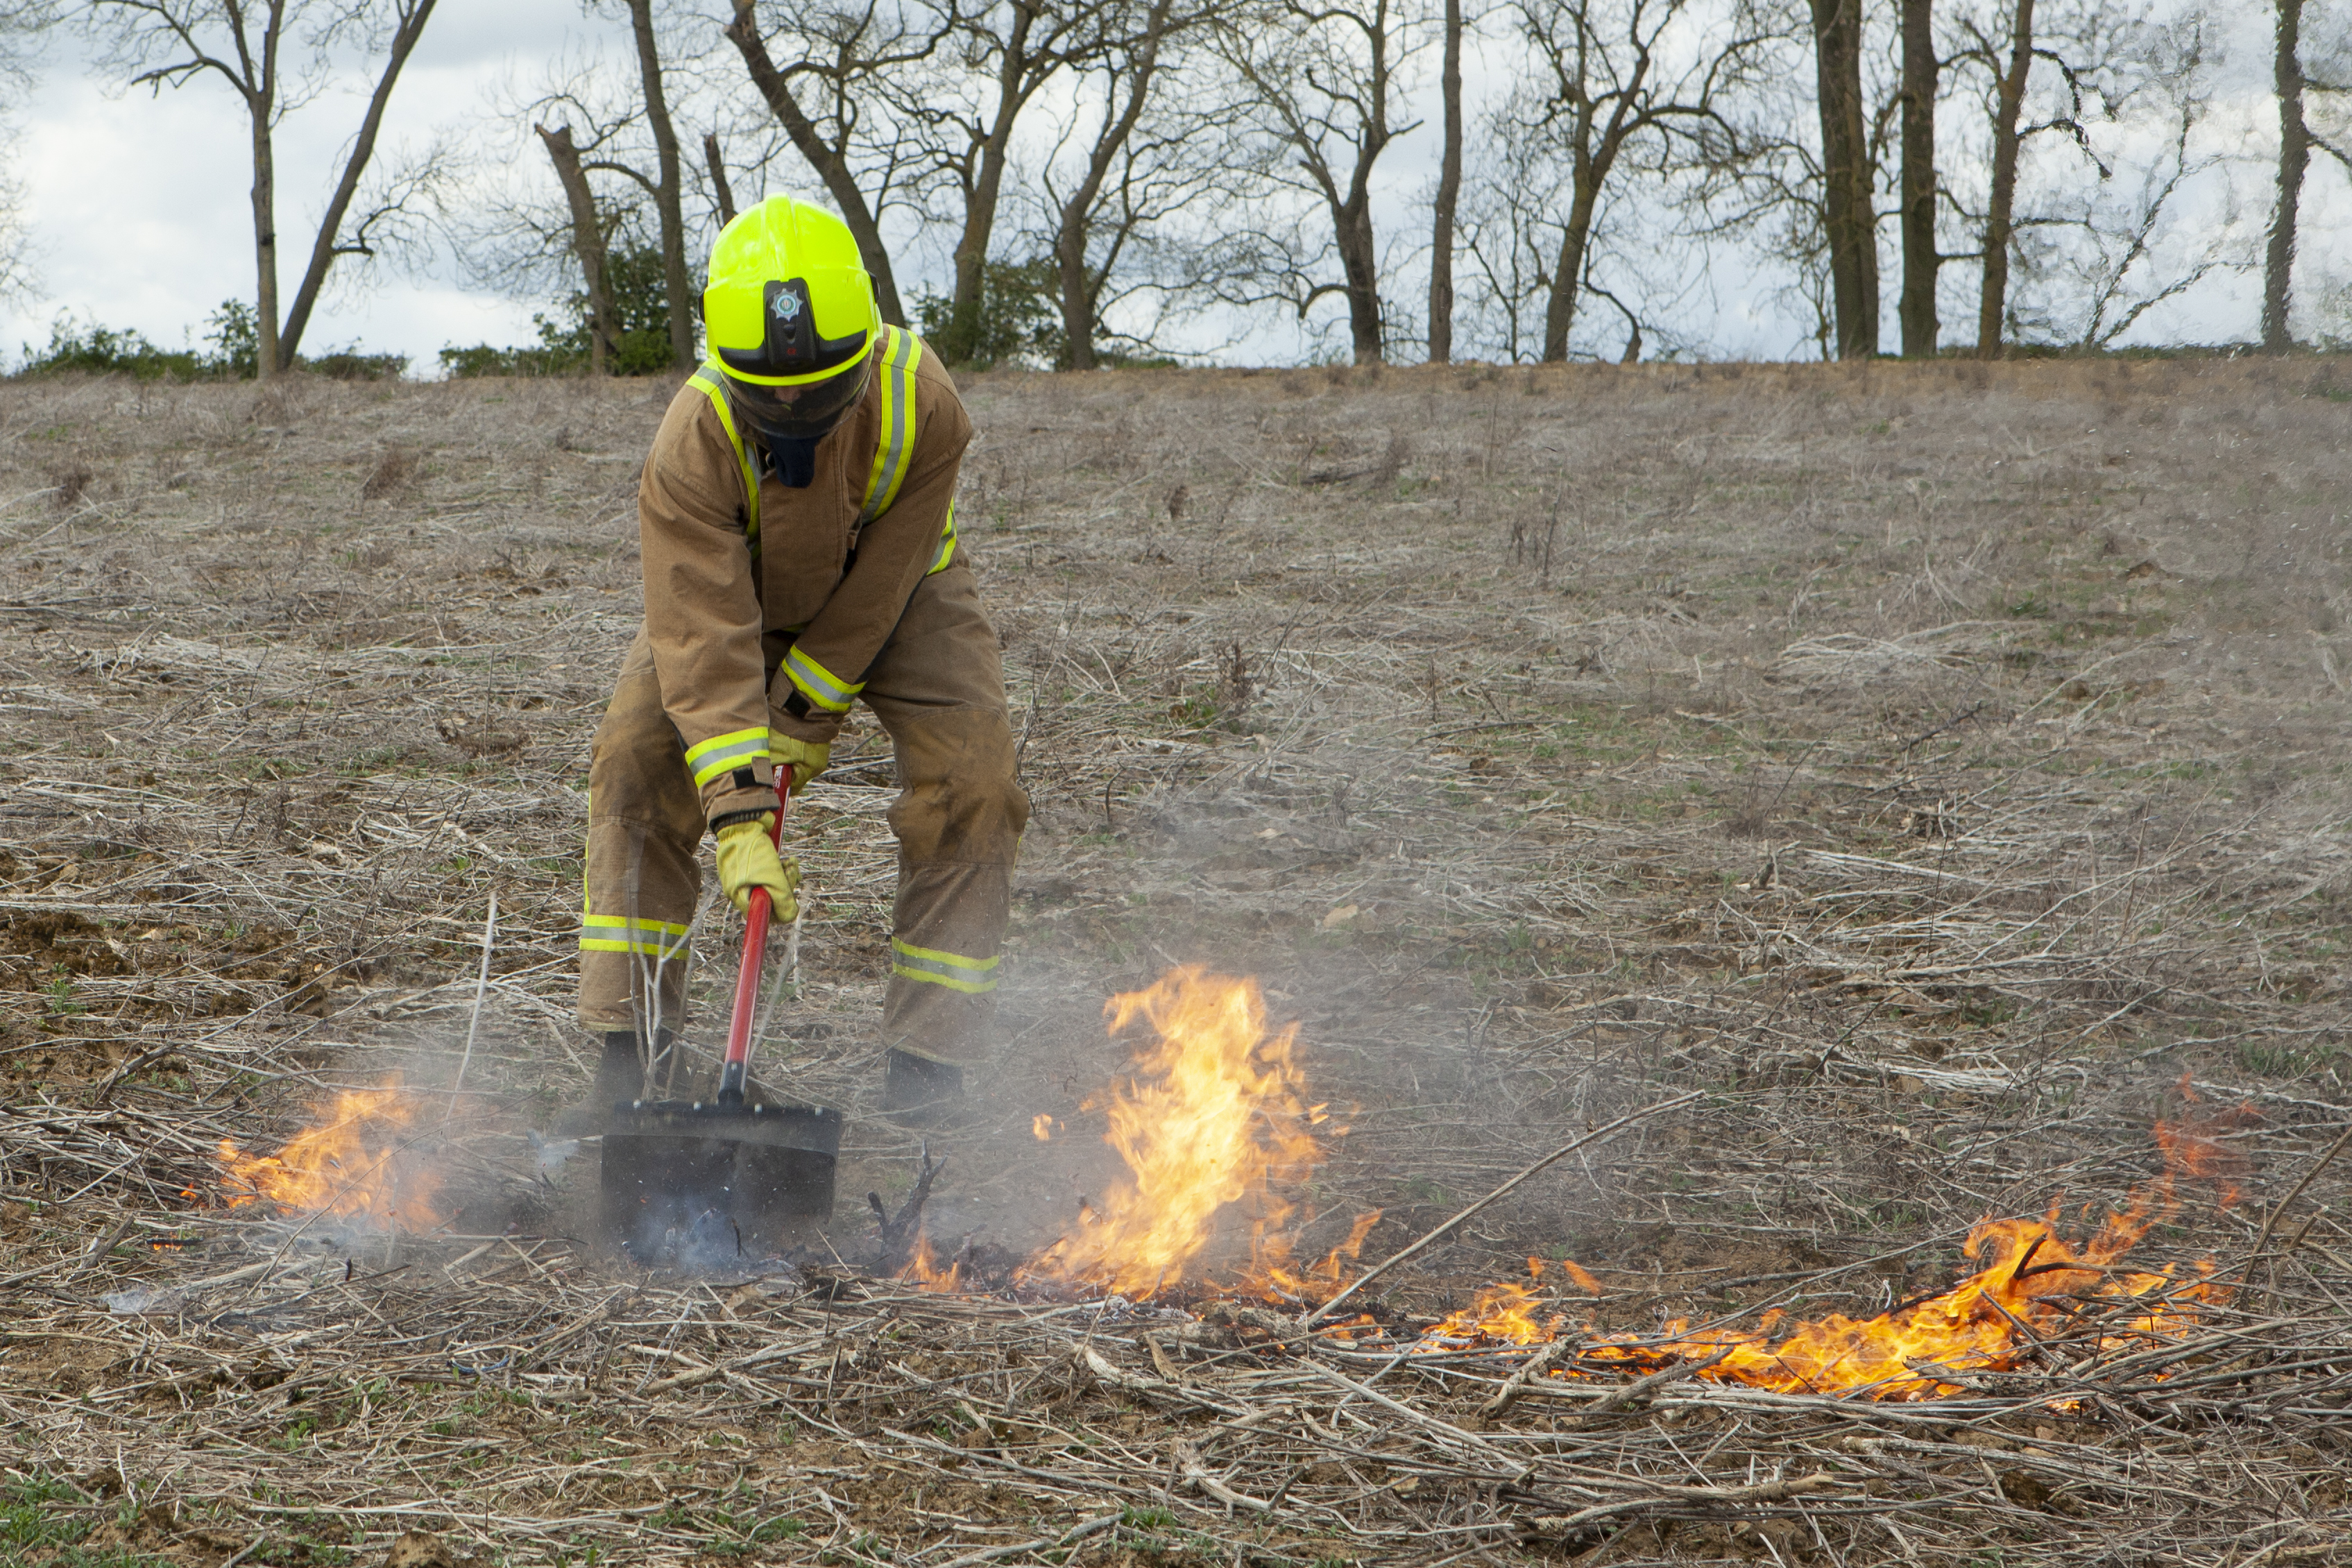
(233, 340)
(640, 302)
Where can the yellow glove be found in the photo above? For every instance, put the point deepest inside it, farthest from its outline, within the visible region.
(808, 758)
(747, 859)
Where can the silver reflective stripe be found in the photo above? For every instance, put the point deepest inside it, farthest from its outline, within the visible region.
(900, 352)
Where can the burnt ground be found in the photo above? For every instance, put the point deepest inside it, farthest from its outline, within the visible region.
(1941, 769)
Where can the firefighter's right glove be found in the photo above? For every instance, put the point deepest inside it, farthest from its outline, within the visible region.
(747, 859)
(806, 758)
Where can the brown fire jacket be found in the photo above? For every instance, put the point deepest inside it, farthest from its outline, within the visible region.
(747, 635)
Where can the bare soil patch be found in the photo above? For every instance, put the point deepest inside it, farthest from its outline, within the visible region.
(1941, 768)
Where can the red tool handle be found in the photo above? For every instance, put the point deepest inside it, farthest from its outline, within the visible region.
(734, 1069)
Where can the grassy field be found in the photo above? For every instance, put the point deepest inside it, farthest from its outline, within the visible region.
(1939, 769)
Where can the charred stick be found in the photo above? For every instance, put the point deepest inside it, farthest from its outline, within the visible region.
(899, 1230)
(1197, 1474)
(1618, 1398)
(1536, 1366)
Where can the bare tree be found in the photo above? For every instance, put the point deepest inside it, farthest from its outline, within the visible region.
(2296, 83)
(2095, 256)
(1137, 180)
(722, 195)
(666, 187)
(22, 24)
(1628, 80)
(1921, 258)
(2008, 136)
(1130, 71)
(2295, 157)
(588, 243)
(169, 43)
(963, 113)
(1323, 79)
(1849, 182)
(1449, 192)
(1515, 193)
(2101, 58)
(844, 57)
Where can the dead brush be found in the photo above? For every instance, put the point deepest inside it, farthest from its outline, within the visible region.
(396, 474)
(1893, 1032)
(71, 483)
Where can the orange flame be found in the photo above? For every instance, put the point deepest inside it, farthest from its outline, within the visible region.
(1214, 1116)
(352, 1163)
(2034, 1286)
(1504, 1314)
(923, 1269)
(1043, 1128)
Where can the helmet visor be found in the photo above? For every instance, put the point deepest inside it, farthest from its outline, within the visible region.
(801, 413)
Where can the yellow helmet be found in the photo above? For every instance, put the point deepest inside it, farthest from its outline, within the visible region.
(790, 316)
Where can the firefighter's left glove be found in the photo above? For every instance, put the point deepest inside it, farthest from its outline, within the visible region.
(747, 859)
(805, 758)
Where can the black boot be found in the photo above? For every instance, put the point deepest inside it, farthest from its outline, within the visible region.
(917, 1090)
(620, 1078)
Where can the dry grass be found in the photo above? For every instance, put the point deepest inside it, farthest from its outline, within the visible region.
(1937, 767)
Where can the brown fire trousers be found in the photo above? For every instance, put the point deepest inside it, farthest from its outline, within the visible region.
(938, 689)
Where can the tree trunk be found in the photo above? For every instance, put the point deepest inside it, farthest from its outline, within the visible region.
(1920, 258)
(723, 192)
(328, 244)
(265, 238)
(587, 242)
(1449, 192)
(261, 109)
(1078, 288)
(1568, 273)
(1359, 263)
(1593, 162)
(962, 339)
(669, 195)
(2294, 156)
(1993, 300)
(1847, 196)
(831, 167)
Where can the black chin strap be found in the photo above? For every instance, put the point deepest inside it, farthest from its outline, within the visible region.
(793, 462)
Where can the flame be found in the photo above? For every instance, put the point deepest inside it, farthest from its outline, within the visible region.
(2193, 1147)
(1043, 1128)
(1214, 1116)
(1504, 1314)
(351, 1161)
(2033, 1287)
(923, 1269)
(1583, 1277)
(1270, 1272)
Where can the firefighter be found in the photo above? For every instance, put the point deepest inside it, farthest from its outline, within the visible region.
(797, 514)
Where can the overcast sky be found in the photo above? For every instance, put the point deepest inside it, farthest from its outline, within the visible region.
(138, 202)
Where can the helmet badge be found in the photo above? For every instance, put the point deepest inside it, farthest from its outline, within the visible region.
(786, 306)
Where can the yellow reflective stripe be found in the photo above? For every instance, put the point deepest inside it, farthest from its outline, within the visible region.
(946, 544)
(721, 752)
(713, 382)
(956, 960)
(952, 981)
(818, 684)
(618, 933)
(952, 970)
(901, 353)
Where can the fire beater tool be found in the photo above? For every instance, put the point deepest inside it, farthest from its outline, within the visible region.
(725, 1174)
